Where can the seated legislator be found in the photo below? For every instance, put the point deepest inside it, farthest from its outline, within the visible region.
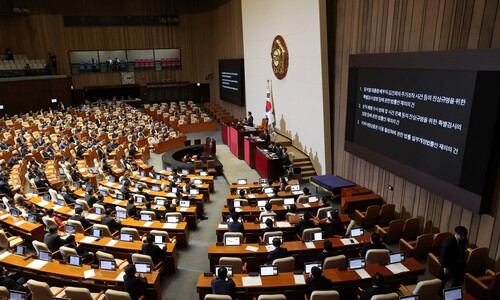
(134, 283)
(328, 251)
(52, 239)
(375, 243)
(222, 285)
(152, 250)
(10, 283)
(378, 287)
(317, 282)
(278, 252)
(306, 223)
(235, 225)
(50, 214)
(78, 217)
(269, 227)
(63, 191)
(71, 243)
(112, 223)
(131, 208)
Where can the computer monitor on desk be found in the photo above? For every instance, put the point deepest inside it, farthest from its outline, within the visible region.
(396, 257)
(17, 295)
(74, 260)
(356, 263)
(452, 293)
(229, 270)
(108, 265)
(144, 268)
(355, 232)
(268, 270)
(309, 265)
(242, 181)
(232, 241)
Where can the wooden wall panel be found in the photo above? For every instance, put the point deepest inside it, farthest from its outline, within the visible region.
(401, 26)
(207, 31)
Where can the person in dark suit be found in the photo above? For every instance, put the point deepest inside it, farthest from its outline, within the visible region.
(278, 252)
(378, 287)
(285, 158)
(375, 243)
(249, 119)
(328, 251)
(152, 250)
(317, 282)
(452, 257)
(131, 208)
(52, 239)
(135, 284)
(222, 285)
(265, 136)
(78, 217)
(10, 283)
(306, 222)
(270, 227)
(112, 223)
(71, 243)
(90, 198)
(235, 225)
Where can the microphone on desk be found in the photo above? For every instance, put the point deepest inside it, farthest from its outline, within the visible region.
(28, 257)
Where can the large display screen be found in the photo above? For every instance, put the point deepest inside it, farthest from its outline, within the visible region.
(434, 125)
(232, 81)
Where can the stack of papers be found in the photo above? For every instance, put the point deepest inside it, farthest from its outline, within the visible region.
(89, 273)
(222, 226)
(112, 243)
(37, 264)
(251, 281)
(170, 225)
(251, 196)
(183, 209)
(92, 216)
(120, 276)
(397, 268)
(88, 239)
(350, 241)
(5, 254)
(19, 223)
(363, 274)
(299, 279)
(252, 248)
(147, 224)
(310, 245)
(270, 248)
(283, 224)
(307, 205)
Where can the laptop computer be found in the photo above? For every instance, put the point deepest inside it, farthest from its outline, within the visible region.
(313, 199)
(15, 212)
(232, 241)
(144, 268)
(160, 202)
(108, 265)
(184, 203)
(263, 181)
(203, 173)
(172, 219)
(242, 181)
(288, 201)
(111, 179)
(160, 239)
(168, 169)
(355, 232)
(396, 257)
(119, 196)
(61, 202)
(97, 233)
(76, 185)
(20, 250)
(45, 255)
(229, 270)
(410, 297)
(98, 210)
(261, 203)
(185, 172)
(271, 238)
(237, 203)
(17, 295)
(356, 263)
(317, 236)
(146, 217)
(194, 191)
(32, 218)
(264, 218)
(139, 199)
(158, 177)
(174, 189)
(46, 197)
(121, 214)
(142, 173)
(155, 188)
(268, 190)
(308, 266)
(103, 192)
(268, 270)
(198, 182)
(126, 237)
(71, 229)
(452, 293)
(75, 260)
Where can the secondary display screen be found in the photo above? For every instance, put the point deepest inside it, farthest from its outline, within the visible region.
(232, 81)
(432, 122)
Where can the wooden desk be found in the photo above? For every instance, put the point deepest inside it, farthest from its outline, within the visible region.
(180, 231)
(21, 227)
(198, 127)
(58, 274)
(345, 282)
(168, 145)
(254, 231)
(297, 249)
(271, 168)
(124, 250)
(349, 204)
